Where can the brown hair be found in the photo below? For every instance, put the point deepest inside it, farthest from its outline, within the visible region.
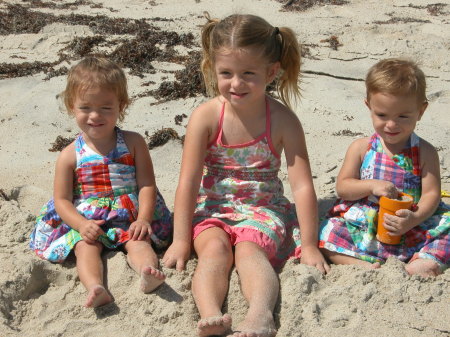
(249, 31)
(96, 71)
(397, 76)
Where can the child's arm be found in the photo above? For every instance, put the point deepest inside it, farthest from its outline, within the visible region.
(302, 187)
(145, 179)
(63, 197)
(429, 200)
(194, 151)
(349, 186)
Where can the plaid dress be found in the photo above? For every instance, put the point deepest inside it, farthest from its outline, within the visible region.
(104, 189)
(350, 227)
(241, 193)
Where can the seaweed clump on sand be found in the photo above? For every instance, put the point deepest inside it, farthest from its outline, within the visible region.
(433, 9)
(161, 137)
(333, 41)
(149, 43)
(188, 81)
(347, 132)
(60, 143)
(303, 5)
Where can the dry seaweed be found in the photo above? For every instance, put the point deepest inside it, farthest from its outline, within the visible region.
(179, 119)
(303, 5)
(161, 137)
(136, 53)
(10, 70)
(60, 143)
(347, 132)
(333, 41)
(433, 9)
(394, 20)
(189, 81)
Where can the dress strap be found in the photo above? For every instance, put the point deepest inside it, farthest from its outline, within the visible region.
(219, 132)
(268, 131)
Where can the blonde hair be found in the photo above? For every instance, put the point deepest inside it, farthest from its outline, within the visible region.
(397, 76)
(250, 31)
(95, 71)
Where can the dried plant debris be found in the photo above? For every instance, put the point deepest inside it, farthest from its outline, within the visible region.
(433, 9)
(161, 137)
(8, 70)
(189, 81)
(333, 41)
(179, 119)
(148, 44)
(394, 20)
(347, 132)
(60, 143)
(303, 5)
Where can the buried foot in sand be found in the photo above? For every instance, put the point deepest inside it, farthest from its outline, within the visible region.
(97, 296)
(257, 326)
(423, 267)
(215, 325)
(151, 278)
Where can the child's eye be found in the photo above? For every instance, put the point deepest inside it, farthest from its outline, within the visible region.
(249, 73)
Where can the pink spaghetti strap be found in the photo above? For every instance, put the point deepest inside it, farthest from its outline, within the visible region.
(268, 131)
(218, 135)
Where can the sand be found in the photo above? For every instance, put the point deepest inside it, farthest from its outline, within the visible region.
(341, 42)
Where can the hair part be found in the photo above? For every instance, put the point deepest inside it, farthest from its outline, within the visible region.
(92, 72)
(396, 76)
(249, 31)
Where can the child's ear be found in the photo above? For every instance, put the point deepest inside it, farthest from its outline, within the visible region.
(422, 109)
(272, 72)
(367, 103)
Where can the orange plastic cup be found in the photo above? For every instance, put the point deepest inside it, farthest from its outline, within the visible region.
(390, 206)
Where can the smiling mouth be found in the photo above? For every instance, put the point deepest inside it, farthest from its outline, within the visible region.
(392, 133)
(235, 94)
(95, 125)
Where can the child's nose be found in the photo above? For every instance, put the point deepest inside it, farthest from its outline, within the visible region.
(391, 124)
(236, 82)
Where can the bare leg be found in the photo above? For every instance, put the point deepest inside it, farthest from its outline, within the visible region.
(338, 258)
(142, 258)
(90, 271)
(260, 287)
(423, 267)
(210, 280)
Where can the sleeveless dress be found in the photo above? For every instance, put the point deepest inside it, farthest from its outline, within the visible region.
(241, 193)
(350, 227)
(104, 189)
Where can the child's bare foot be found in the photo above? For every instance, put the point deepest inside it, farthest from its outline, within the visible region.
(376, 265)
(257, 326)
(97, 296)
(423, 267)
(151, 278)
(215, 325)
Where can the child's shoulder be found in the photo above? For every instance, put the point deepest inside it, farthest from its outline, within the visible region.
(427, 151)
(207, 113)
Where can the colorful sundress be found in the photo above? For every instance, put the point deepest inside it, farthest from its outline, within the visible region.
(350, 227)
(240, 192)
(104, 189)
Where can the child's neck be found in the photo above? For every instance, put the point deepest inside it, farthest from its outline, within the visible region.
(102, 146)
(393, 149)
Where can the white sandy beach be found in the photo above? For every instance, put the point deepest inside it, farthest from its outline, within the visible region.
(38, 298)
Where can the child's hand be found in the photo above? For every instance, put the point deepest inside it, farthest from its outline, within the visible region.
(177, 255)
(384, 188)
(313, 257)
(90, 230)
(400, 223)
(139, 230)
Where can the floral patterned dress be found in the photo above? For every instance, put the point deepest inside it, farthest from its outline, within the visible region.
(104, 189)
(241, 193)
(350, 227)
